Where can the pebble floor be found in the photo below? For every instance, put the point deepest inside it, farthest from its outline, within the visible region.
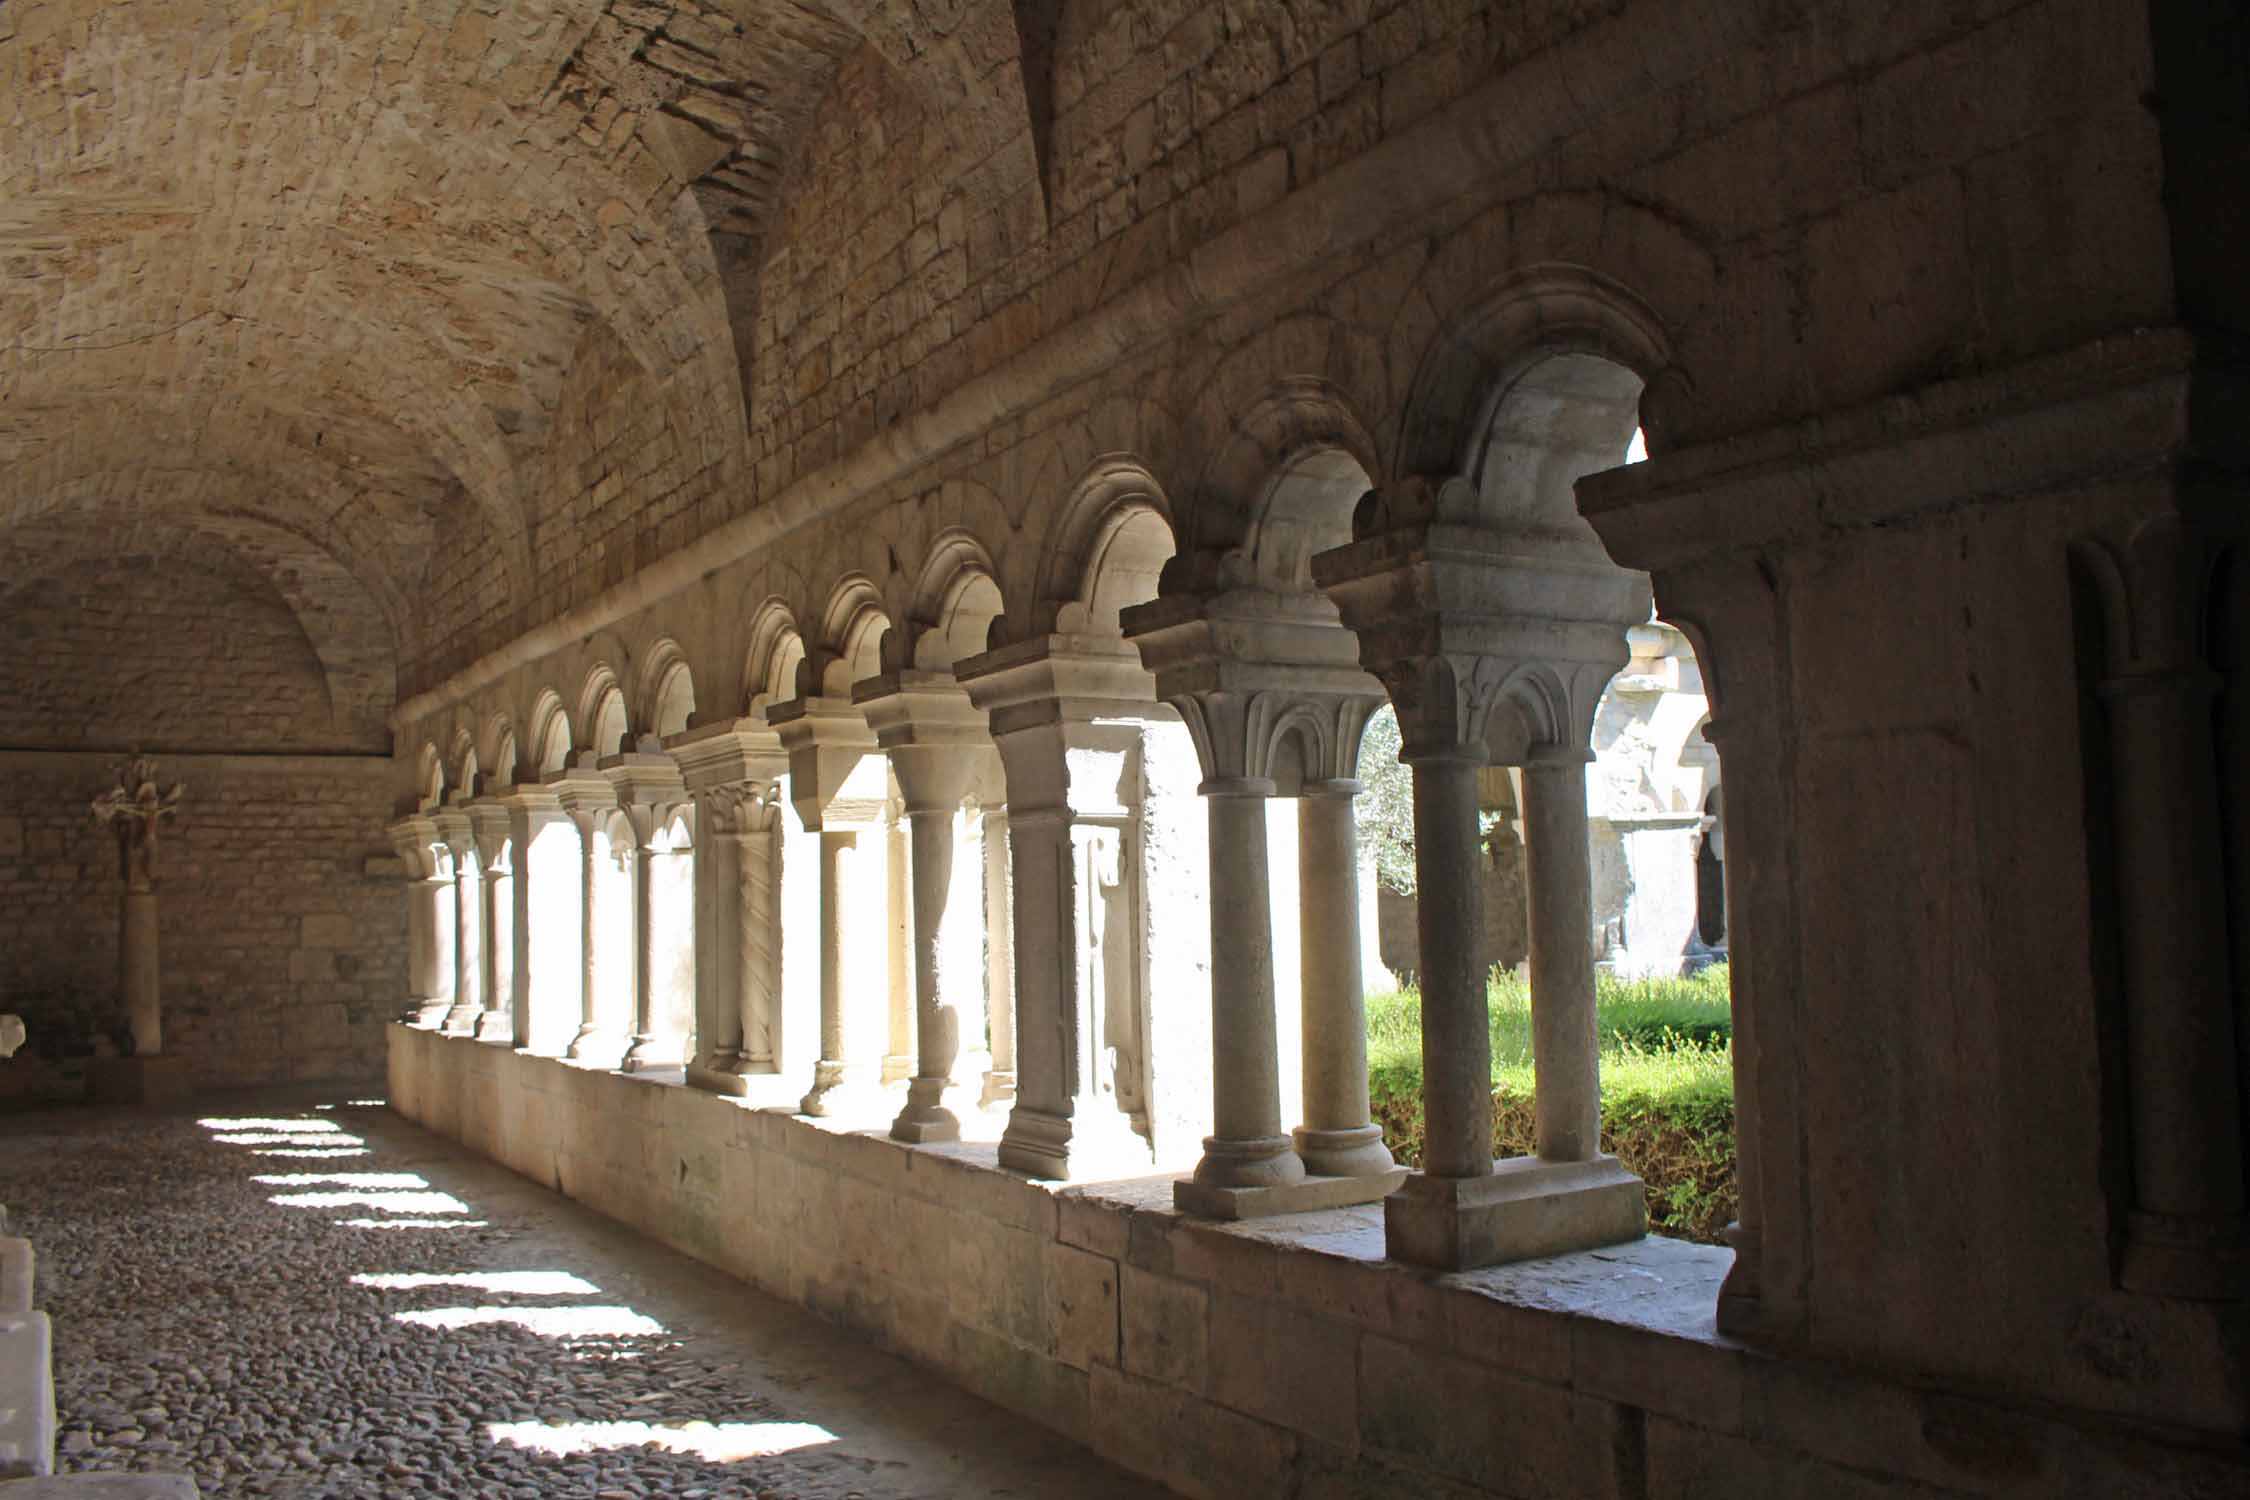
(236, 1298)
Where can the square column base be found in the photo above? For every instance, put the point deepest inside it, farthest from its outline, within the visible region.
(1526, 1209)
(160, 1082)
(1309, 1195)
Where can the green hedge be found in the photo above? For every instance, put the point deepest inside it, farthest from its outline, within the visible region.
(1667, 1087)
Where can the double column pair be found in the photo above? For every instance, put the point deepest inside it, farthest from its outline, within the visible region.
(1272, 693)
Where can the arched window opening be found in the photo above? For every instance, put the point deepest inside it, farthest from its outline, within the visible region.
(610, 723)
(1127, 560)
(554, 742)
(675, 701)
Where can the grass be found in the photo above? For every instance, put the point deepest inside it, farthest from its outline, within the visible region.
(1667, 1086)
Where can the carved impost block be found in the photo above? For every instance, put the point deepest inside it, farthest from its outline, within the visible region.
(583, 793)
(648, 789)
(417, 841)
(455, 829)
(826, 738)
(1270, 688)
(936, 738)
(1068, 714)
(489, 825)
(731, 753)
(1458, 621)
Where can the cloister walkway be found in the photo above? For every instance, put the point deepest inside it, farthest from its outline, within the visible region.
(297, 1293)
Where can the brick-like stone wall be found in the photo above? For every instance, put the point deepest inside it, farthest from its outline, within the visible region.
(283, 953)
(180, 650)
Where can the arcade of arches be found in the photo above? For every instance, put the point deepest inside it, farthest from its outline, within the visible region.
(772, 605)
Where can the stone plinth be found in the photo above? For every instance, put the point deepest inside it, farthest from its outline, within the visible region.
(1526, 1208)
(1305, 1195)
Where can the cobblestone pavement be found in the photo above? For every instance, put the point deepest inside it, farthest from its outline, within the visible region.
(299, 1294)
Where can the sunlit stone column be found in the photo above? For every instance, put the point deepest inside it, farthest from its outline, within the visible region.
(589, 800)
(429, 899)
(549, 919)
(938, 748)
(1491, 645)
(898, 945)
(489, 820)
(838, 793)
(1339, 1137)
(999, 961)
(1272, 691)
(1565, 1053)
(1069, 716)
(733, 770)
(649, 791)
(459, 833)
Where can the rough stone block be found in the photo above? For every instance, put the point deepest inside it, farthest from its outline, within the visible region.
(1081, 1313)
(27, 1396)
(1526, 1209)
(1164, 1328)
(1515, 1437)
(1205, 1451)
(16, 1264)
(326, 930)
(1275, 1361)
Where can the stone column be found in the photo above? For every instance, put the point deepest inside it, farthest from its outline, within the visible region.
(549, 911)
(898, 946)
(1068, 716)
(429, 892)
(459, 834)
(999, 962)
(938, 749)
(1565, 1045)
(1339, 1137)
(1246, 1147)
(590, 801)
(1274, 696)
(827, 742)
(135, 810)
(649, 790)
(490, 823)
(1492, 643)
(733, 770)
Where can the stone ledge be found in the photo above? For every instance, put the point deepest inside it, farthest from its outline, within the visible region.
(1307, 1196)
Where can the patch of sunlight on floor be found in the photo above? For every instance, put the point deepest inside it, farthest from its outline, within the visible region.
(715, 1442)
(547, 1322)
(285, 1127)
(522, 1283)
(328, 1142)
(410, 1223)
(344, 1179)
(327, 1151)
(405, 1203)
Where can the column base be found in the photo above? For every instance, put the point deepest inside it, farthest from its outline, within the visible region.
(928, 1116)
(1526, 1209)
(461, 1020)
(842, 1090)
(1308, 1195)
(1261, 1162)
(649, 1055)
(498, 1027)
(430, 1014)
(152, 1082)
(1343, 1153)
(718, 1075)
(1066, 1148)
(596, 1048)
(2197, 1259)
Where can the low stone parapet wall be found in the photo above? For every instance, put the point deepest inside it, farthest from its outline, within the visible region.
(1250, 1359)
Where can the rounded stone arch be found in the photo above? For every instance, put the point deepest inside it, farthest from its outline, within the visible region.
(677, 833)
(852, 628)
(461, 755)
(551, 740)
(1284, 483)
(771, 656)
(956, 601)
(667, 686)
(429, 778)
(1107, 549)
(497, 750)
(1533, 317)
(603, 717)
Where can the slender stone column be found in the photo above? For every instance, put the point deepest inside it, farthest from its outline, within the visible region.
(1566, 1061)
(1246, 1147)
(1339, 1138)
(497, 916)
(549, 913)
(1449, 924)
(898, 948)
(468, 922)
(429, 895)
(827, 741)
(999, 961)
(649, 791)
(591, 802)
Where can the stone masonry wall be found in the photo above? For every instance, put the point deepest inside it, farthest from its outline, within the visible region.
(282, 954)
(162, 653)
